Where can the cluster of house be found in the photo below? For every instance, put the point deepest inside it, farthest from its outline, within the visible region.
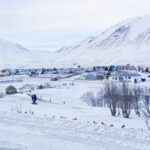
(113, 73)
(113, 76)
(116, 73)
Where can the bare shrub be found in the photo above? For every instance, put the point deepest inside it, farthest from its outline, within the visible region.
(64, 84)
(40, 87)
(92, 100)
(72, 84)
(89, 98)
(47, 85)
(146, 101)
(99, 99)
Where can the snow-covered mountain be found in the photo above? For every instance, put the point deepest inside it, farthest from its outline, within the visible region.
(13, 54)
(124, 43)
(127, 42)
(16, 56)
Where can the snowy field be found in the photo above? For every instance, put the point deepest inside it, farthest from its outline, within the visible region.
(67, 122)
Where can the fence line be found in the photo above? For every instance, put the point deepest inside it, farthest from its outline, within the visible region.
(11, 81)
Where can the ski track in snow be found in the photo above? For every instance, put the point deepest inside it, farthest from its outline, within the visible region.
(27, 132)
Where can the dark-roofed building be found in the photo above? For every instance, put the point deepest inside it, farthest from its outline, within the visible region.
(11, 90)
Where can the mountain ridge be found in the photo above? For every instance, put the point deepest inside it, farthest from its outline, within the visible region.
(113, 46)
(125, 43)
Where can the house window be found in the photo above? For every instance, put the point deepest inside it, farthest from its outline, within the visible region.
(129, 77)
(116, 78)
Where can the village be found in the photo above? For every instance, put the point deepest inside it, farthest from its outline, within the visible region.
(111, 73)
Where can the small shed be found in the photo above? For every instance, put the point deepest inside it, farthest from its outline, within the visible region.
(11, 90)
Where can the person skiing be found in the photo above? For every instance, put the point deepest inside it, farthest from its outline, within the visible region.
(34, 98)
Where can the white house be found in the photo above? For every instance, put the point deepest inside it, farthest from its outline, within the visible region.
(129, 77)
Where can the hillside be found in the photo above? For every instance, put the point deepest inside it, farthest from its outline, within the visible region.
(127, 42)
(16, 56)
(13, 54)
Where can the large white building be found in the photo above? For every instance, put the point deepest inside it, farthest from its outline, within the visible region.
(129, 77)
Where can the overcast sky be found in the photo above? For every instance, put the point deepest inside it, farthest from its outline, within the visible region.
(51, 24)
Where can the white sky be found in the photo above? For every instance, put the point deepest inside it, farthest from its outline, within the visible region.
(50, 24)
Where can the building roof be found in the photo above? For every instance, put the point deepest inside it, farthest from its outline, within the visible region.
(10, 87)
(127, 75)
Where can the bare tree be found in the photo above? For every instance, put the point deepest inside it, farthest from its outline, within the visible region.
(146, 109)
(110, 95)
(137, 92)
(147, 119)
(146, 101)
(92, 100)
(126, 97)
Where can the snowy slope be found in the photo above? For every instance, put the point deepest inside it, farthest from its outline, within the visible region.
(27, 132)
(51, 126)
(124, 43)
(127, 42)
(14, 56)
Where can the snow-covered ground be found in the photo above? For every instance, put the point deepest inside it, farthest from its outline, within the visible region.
(26, 131)
(71, 125)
